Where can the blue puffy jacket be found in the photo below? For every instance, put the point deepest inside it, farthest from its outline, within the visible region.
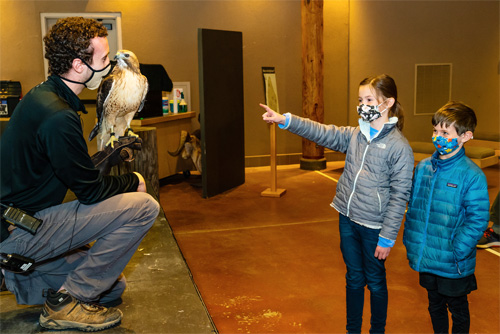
(447, 215)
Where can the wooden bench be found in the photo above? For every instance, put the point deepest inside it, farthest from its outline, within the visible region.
(483, 139)
(482, 156)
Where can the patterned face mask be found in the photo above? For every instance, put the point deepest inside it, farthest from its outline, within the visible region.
(370, 113)
(445, 145)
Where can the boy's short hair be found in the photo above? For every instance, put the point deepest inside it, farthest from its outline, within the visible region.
(458, 114)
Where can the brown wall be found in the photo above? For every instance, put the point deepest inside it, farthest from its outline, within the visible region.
(400, 34)
(361, 38)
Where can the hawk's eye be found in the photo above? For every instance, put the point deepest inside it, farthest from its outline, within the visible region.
(127, 55)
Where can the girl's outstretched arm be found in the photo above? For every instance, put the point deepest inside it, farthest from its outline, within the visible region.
(271, 116)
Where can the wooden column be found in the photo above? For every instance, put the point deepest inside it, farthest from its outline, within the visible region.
(312, 79)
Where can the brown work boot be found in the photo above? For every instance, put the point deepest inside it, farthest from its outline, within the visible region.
(63, 311)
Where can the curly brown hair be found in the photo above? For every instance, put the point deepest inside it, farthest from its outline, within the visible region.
(69, 38)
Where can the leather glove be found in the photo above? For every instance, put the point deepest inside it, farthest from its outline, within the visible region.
(104, 160)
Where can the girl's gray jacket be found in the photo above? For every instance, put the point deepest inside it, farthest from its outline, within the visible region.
(376, 182)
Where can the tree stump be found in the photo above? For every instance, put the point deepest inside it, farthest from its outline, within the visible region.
(145, 161)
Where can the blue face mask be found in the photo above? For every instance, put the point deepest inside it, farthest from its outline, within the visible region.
(445, 145)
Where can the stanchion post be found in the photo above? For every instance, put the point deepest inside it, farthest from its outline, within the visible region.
(273, 191)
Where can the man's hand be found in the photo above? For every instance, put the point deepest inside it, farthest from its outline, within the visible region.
(142, 183)
(382, 253)
(107, 158)
(271, 116)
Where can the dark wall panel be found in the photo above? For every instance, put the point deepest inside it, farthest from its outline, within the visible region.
(220, 56)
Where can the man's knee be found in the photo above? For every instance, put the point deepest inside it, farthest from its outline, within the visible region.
(149, 207)
(152, 204)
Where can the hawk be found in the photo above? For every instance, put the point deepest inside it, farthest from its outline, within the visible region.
(120, 96)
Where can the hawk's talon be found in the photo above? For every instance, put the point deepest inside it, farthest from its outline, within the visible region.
(111, 140)
(131, 133)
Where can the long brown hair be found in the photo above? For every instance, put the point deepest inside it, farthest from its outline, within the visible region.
(384, 86)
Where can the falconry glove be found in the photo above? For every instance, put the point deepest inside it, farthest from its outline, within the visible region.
(111, 156)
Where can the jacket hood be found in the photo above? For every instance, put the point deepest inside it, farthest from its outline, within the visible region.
(364, 127)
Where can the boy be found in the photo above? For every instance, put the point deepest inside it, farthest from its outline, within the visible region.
(447, 215)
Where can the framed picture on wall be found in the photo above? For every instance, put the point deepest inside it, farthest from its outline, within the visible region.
(186, 89)
(270, 88)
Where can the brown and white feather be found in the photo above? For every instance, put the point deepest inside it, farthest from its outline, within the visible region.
(125, 97)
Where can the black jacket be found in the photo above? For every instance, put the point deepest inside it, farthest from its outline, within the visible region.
(43, 154)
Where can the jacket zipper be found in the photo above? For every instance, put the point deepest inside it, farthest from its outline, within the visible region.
(456, 262)
(379, 203)
(458, 268)
(356, 179)
(426, 220)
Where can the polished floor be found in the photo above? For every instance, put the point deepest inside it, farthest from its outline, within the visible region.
(273, 265)
(253, 264)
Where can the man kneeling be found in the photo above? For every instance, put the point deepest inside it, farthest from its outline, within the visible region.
(43, 154)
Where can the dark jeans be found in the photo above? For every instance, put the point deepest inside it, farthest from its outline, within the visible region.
(438, 309)
(358, 244)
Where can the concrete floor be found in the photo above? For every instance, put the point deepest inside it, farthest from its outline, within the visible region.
(262, 265)
(161, 296)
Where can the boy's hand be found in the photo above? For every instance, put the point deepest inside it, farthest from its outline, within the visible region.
(271, 116)
(382, 253)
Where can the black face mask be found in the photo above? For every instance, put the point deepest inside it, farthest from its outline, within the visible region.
(95, 79)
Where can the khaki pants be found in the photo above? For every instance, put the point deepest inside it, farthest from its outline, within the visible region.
(62, 257)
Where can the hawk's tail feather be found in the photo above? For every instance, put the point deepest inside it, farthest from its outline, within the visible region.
(94, 132)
